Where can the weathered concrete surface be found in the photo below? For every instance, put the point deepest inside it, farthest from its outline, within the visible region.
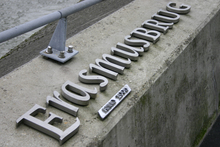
(17, 12)
(76, 22)
(175, 86)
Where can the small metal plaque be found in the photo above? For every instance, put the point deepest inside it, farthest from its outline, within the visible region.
(114, 101)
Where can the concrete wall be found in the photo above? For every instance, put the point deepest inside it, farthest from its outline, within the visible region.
(175, 85)
(182, 100)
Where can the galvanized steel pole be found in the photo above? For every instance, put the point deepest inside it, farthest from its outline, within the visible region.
(26, 27)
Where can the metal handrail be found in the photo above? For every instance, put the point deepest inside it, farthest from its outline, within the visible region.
(63, 13)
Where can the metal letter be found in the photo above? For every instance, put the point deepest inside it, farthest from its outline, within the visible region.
(127, 47)
(142, 33)
(125, 54)
(110, 66)
(46, 126)
(77, 94)
(58, 103)
(93, 79)
(103, 71)
(116, 60)
(155, 25)
(166, 16)
(137, 42)
(183, 9)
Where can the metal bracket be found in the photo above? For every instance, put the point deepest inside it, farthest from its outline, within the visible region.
(56, 49)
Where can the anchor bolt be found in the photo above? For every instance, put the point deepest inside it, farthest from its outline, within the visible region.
(62, 54)
(70, 49)
(49, 50)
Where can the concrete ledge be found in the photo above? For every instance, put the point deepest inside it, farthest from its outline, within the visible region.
(31, 47)
(175, 85)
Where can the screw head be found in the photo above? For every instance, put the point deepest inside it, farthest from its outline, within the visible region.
(62, 54)
(49, 50)
(70, 49)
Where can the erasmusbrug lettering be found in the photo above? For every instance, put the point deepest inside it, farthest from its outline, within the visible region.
(110, 66)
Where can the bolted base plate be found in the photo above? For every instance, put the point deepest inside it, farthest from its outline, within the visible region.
(56, 53)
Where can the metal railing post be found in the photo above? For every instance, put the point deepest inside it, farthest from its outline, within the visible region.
(56, 48)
